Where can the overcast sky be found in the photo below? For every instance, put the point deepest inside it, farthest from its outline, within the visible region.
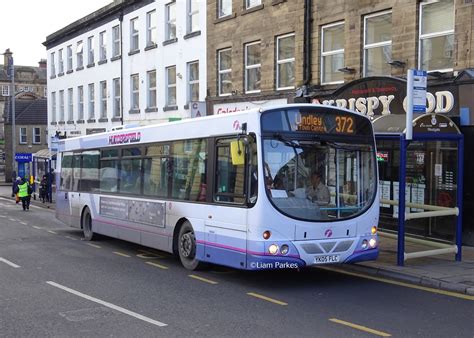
(25, 24)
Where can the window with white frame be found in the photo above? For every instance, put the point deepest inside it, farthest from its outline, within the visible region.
(151, 89)
(53, 64)
(170, 11)
(377, 43)
(103, 99)
(171, 86)
(80, 54)
(23, 136)
(69, 58)
(61, 105)
(91, 105)
(193, 16)
(193, 81)
(53, 106)
(6, 90)
(285, 61)
(60, 61)
(115, 41)
(134, 92)
(436, 46)
(134, 34)
(70, 106)
(36, 135)
(224, 8)
(80, 103)
(103, 46)
(252, 3)
(90, 50)
(252, 67)
(332, 53)
(151, 37)
(224, 60)
(117, 97)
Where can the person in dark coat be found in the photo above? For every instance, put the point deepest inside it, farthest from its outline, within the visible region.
(15, 188)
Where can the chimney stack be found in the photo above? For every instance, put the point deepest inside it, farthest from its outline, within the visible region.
(42, 63)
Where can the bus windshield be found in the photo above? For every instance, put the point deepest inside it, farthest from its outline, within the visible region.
(318, 175)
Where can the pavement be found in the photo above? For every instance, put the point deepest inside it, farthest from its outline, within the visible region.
(440, 272)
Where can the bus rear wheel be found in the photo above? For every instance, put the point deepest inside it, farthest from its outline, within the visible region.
(187, 247)
(86, 221)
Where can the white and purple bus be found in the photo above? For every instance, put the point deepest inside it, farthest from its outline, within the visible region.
(235, 189)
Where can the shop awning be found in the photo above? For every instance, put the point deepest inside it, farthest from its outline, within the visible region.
(422, 123)
(44, 153)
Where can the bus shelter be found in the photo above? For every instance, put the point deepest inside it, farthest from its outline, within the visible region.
(428, 206)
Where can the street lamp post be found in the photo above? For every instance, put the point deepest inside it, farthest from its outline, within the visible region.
(8, 64)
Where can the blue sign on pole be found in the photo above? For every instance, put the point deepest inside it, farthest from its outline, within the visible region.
(419, 91)
(23, 157)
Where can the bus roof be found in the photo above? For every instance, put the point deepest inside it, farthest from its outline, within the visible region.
(222, 124)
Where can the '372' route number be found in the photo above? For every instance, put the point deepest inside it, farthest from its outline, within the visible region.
(345, 124)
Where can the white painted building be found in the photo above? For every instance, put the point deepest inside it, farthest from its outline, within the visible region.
(131, 62)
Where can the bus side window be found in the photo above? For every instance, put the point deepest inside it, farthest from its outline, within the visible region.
(230, 179)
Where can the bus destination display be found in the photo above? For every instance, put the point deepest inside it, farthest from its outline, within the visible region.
(325, 123)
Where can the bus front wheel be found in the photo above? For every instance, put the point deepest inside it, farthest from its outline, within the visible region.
(87, 225)
(187, 247)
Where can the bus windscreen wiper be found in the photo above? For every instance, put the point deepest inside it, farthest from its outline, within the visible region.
(289, 143)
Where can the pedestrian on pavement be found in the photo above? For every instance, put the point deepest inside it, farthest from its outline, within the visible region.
(24, 192)
(44, 189)
(15, 189)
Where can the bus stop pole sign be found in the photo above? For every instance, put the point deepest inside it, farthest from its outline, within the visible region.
(416, 97)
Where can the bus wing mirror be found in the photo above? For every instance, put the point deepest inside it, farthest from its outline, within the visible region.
(237, 152)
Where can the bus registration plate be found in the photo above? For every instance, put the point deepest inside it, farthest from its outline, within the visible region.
(326, 259)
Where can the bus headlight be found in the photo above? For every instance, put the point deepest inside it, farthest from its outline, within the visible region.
(284, 249)
(273, 249)
(365, 243)
(372, 242)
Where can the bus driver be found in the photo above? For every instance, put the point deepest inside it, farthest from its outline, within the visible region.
(317, 191)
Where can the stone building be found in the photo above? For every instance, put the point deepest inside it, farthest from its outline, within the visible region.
(28, 79)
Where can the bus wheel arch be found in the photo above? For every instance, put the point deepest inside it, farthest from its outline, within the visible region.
(86, 224)
(184, 244)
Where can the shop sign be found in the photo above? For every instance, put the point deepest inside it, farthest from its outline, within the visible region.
(241, 106)
(434, 123)
(198, 109)
(23, 157)
(90, 131)
(384, 96)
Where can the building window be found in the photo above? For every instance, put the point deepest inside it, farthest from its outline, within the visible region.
(134, 34)
(6, 90)
(332, 53)
(252, 67)
(90, 50)
(103, 99)
(80, 55)
(103, 46)
(53, 65)
(70, 106)
(36, 135)
(193, 81)
(117, 98)
(23, 137)
(151, 28)
(80, 102)
(225, 71)
(91, 101)
(193, 16)
(61, 105)
(171, 86)
(436, 35)
(60, 62)
(151, 89)
(252, 3)
(224, 8)
(69, 58)
(286, 61)
(115, 41)
(377, 44)
(53, 107)
(135, 92)
(171, 21)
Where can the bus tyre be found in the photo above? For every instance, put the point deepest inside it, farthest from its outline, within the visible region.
(187, 247)
(87, 225)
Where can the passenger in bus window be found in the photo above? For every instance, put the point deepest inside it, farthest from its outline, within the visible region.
(317, 191)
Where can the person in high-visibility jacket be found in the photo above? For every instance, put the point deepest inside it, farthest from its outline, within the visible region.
(24, 194)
